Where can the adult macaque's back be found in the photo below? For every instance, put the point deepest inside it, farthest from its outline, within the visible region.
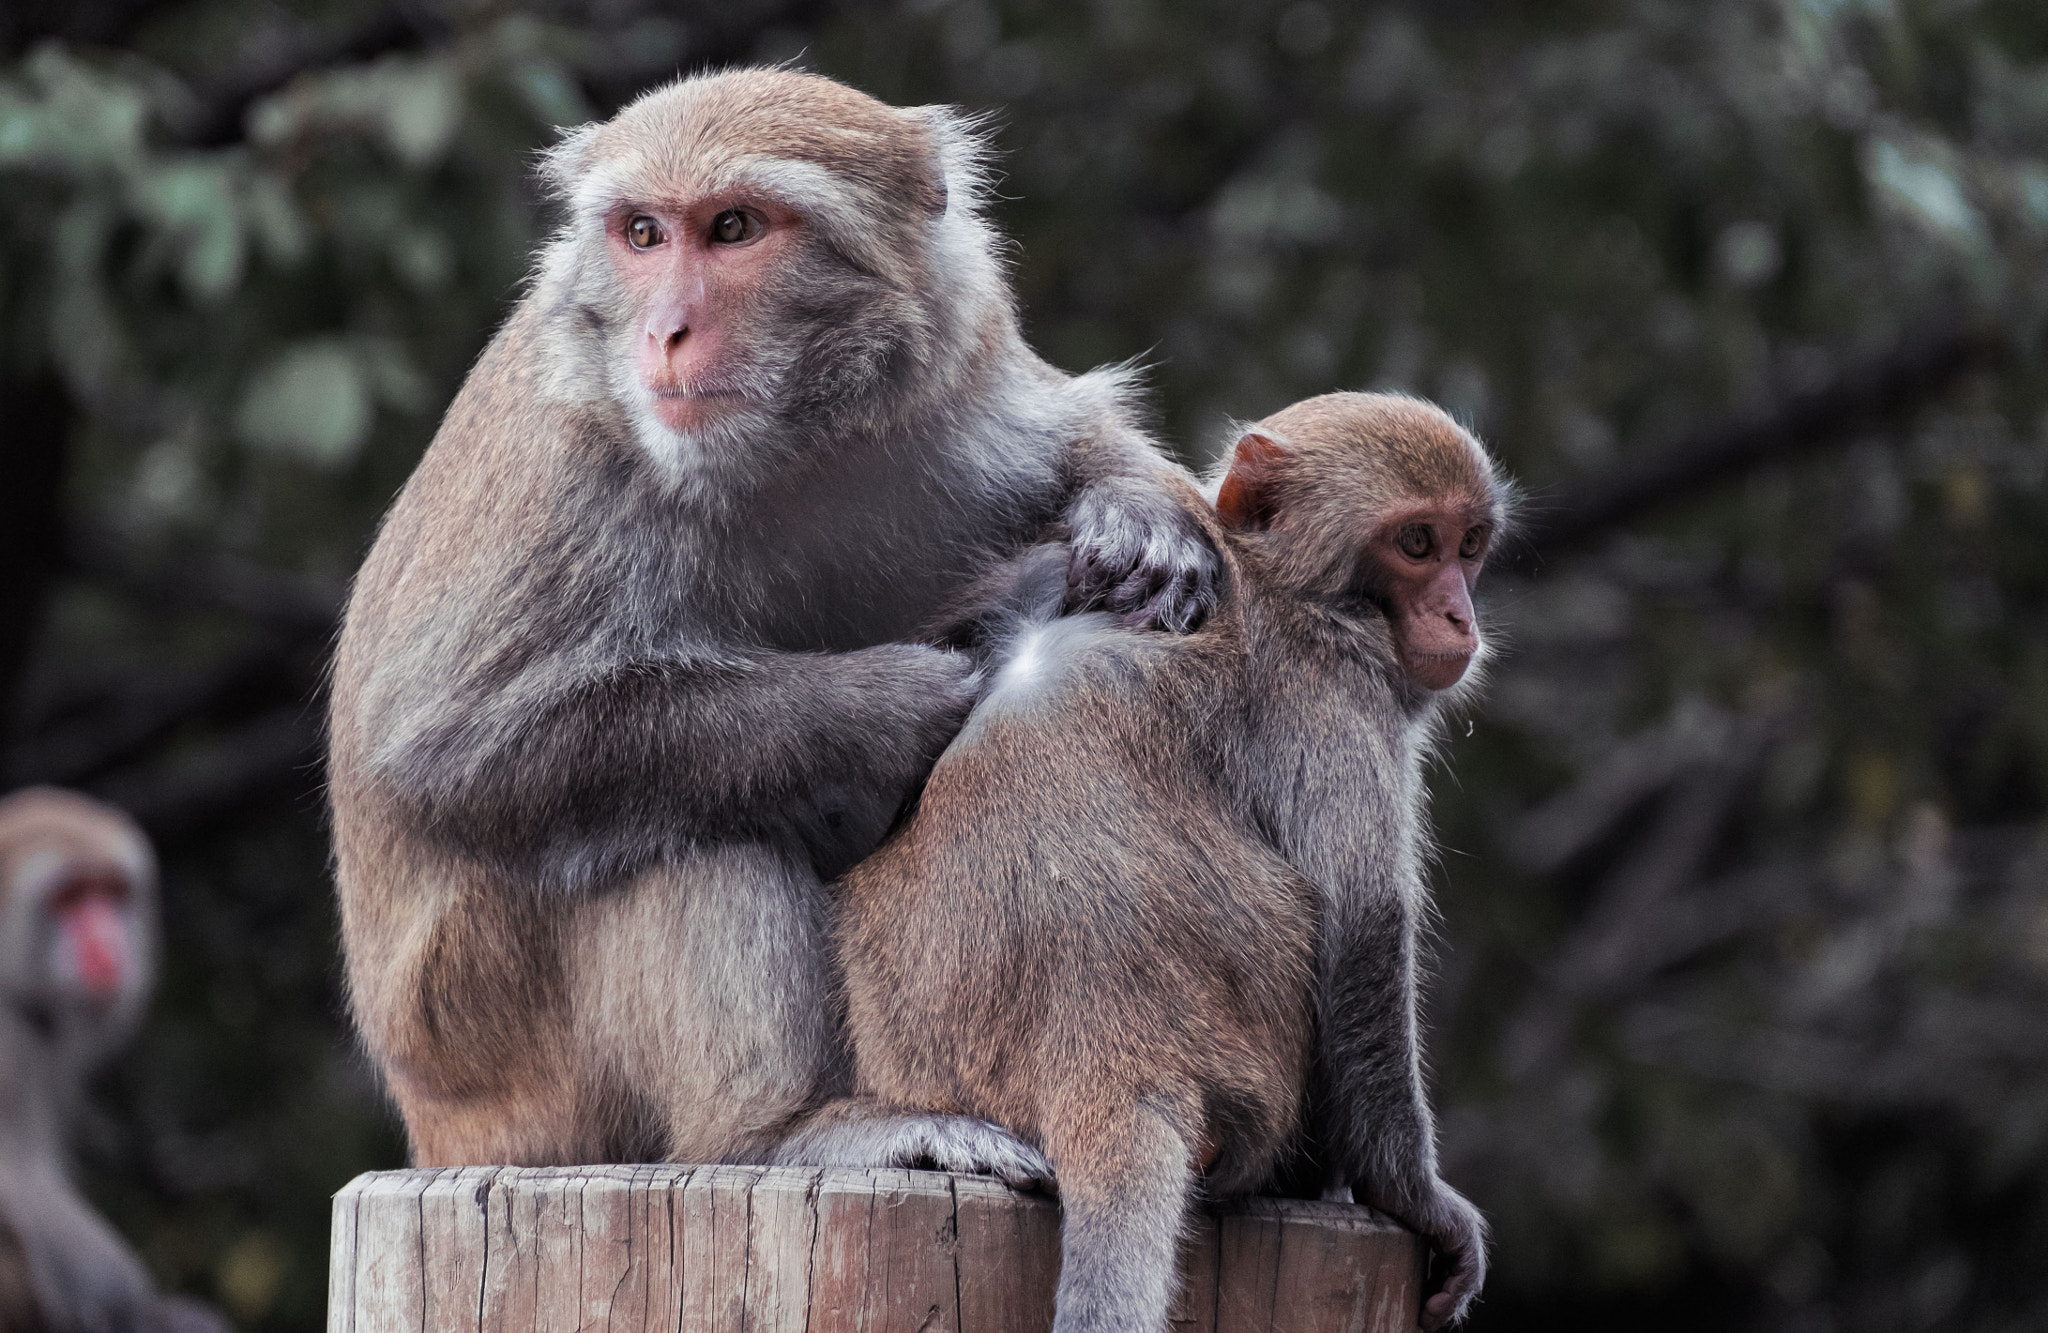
(617, 684)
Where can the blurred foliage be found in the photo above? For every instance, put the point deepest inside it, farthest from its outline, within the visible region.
(1743, 1019)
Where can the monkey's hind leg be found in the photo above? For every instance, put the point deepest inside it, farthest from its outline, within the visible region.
(1126, 1180)
(535, 1119)
(863, 1131)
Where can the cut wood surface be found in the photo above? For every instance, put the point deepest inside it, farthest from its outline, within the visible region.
(709, 1249)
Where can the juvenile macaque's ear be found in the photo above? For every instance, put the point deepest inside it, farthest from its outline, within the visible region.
(1249, 498)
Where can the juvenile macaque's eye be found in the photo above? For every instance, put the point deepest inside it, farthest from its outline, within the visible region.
(643, 232)
(1416, 542)
(1474, 543)
(733, 227)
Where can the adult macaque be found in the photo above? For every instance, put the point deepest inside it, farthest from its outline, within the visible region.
(616, 686)
(77, 945)
(1156, 910)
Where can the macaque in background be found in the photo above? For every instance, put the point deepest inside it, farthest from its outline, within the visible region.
(619, 685)
(1156, 909)
(77, 946)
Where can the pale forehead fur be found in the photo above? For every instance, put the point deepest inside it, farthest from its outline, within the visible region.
(1415, 448)
(713, 132)
(77, 828)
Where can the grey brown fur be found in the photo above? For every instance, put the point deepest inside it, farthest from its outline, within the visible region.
(62, 1267)
(1156, 911)
(611, 698)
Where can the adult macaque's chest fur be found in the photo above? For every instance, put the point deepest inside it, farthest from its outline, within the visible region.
(760, 570)
(767, 572)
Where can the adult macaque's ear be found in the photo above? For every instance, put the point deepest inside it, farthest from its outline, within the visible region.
(564, 164)
(1249, 497)
(939, 128)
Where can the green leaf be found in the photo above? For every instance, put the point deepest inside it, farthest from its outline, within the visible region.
(422, 108)
(196, 200)
(311, 401)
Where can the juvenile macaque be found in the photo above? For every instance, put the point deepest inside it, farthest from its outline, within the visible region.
(77, 946)
(1156, 910)
(617, 684)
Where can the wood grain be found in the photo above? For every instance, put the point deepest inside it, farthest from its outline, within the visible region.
(740, 1249)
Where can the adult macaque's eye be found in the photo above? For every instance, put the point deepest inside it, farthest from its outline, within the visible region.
(733, 227)
(1416, 542)
(644, 233)
(1474, 543)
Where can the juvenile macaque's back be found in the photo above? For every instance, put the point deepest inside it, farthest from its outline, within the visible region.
(1156, 910)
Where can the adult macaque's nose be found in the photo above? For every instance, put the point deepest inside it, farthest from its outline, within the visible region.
(671, 310)
(667, 324)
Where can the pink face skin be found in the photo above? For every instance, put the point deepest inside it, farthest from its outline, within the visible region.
(694, 271)
(94, 947)
(1430, 556)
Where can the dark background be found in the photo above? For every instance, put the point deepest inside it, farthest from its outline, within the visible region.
(1742, 1005)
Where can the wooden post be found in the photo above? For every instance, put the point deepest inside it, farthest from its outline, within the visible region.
(727, 1249)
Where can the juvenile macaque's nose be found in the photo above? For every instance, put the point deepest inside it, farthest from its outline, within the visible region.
(1456, 602)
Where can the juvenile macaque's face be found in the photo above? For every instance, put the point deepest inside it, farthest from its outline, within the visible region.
(1419, 487)
(696, 272)
(1427, 558)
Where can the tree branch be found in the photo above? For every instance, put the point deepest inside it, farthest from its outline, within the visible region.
(182, 797)
(31, 525)
(227, 102)
(284, 603)
(716, 40)
(141, 714)
(1876, 391)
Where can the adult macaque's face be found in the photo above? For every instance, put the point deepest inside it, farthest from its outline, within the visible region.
(1429, 559)
(696, 273)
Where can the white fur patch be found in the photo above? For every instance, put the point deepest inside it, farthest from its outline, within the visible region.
(1027, 664)
(600, 189)
(1044, 659)
(804, 186)
(677, 455)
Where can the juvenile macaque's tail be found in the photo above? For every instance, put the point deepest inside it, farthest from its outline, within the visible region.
(1126, 1183)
